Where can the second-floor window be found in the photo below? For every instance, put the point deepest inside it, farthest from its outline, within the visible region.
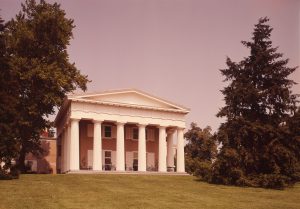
(107, 131)
(135, 133)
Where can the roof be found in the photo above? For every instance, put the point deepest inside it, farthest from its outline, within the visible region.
(132, 98)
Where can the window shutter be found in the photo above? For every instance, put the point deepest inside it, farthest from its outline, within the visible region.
(90, 130)
(113, 159)
(151, 134)
(128, 133)
(102, 131)
(114, 131)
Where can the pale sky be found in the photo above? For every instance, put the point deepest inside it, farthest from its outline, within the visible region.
(172, 48)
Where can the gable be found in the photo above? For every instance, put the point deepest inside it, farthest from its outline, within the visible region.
(129, 97)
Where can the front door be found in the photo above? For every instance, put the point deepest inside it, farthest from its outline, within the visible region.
(107, 160)
(135, 161)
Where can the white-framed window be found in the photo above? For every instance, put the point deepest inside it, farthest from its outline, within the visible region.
(135, 133)
(107, 160)
(135, 161)
(107, 131)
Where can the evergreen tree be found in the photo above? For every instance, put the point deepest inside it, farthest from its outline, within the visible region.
(293, 126)
(200, 151)
(256, 150)
(37, 41)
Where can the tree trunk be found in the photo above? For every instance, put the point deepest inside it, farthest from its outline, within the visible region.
(21, 161)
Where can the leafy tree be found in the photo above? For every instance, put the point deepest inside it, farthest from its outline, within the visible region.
(37, 41)
(8, 144)
(256, 149)
(200, 151)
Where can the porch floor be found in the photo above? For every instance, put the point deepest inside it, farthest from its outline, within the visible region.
(129, 172)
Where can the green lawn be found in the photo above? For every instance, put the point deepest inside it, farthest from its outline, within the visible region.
(136, 191)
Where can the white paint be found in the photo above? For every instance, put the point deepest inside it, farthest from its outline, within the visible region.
(170, 155)
(74, 144)
(121, 107)
(97, 147)
(63, 151)
(68, 147)
(120, 164)
(142, 148)
(162, 150)
(180, 151)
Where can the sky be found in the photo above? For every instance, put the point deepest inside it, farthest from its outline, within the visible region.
(173, 49)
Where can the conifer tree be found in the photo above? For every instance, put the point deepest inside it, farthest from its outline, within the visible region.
(256, 150)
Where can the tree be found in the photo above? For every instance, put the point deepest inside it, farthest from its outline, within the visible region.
(256, 149)
(8, 101)
(37, 41)
(201, 149)
(293, 126)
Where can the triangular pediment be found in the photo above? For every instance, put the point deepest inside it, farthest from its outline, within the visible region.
(129, 97)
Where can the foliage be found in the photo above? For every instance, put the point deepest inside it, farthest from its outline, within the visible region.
(200, 151)
(8, 144)
(37, 40)
(257, 149)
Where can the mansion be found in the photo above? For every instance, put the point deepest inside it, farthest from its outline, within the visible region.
(122, 130)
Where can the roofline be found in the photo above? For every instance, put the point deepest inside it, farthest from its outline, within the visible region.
(61, 109)
(78, 97)
(70, 96)
(128, 105)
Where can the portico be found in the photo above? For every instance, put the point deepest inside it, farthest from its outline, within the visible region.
(126, 130)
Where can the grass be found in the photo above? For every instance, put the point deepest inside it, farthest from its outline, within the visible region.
(136, 191)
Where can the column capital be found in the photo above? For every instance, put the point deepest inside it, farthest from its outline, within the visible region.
(142, 124)
(75, 119)
(180, 128)
(120, 123)
(171, 131)
(97, 121)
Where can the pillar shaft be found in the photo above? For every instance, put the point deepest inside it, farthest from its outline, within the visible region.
(142, 148)
(74, 145)
(68, 141)
(170, 154)
(97, 147)
(62, 155)
(162, 150)
(120, 164)
(180, 151)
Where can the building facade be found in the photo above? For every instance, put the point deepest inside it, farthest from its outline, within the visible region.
(123, 130)
(44, 163)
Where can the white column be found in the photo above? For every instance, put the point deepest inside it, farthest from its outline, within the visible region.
(68, 141)
(65, 150)
(162, 167)
(74, 145)
(170, 154)
(62, 151)
(120, 164)
(97, 147)
(180, 151)
(142, 148)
